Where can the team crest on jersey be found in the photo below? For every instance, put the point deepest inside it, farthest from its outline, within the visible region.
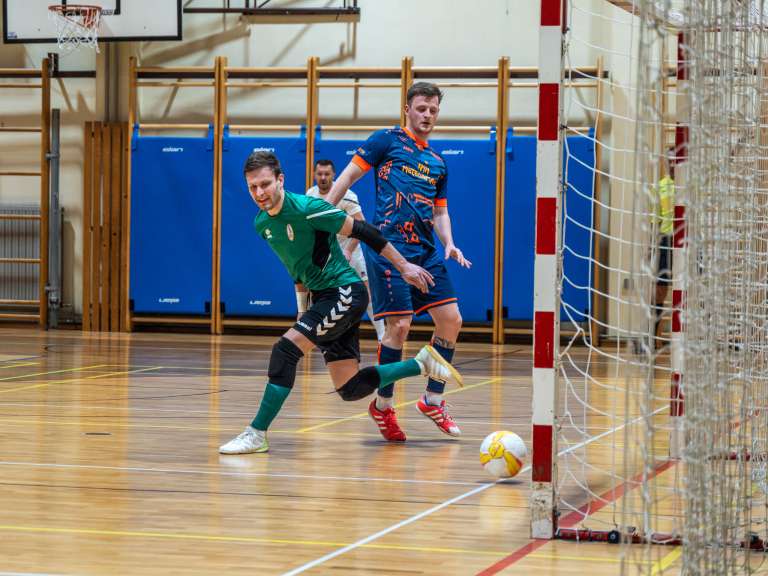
(289, 231)
(268, 234)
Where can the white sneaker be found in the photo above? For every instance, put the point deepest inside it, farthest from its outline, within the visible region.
(436, 367)
(247, 442)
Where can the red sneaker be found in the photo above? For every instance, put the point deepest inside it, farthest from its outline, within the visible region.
(439, 415)
(386, 420)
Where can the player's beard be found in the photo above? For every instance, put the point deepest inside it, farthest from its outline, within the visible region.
(324, 190)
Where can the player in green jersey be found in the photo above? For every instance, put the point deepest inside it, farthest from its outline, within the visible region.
(302, 232)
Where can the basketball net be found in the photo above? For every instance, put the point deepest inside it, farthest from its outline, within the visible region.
(77, 25)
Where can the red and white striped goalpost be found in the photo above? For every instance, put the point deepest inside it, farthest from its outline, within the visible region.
(546, 298)
(548, 244)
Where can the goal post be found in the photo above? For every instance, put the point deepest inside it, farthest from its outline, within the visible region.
(658, 433)
(546, 302)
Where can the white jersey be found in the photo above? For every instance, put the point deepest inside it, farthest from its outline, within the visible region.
(351, 206)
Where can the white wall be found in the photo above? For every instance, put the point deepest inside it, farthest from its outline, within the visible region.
(434, 32)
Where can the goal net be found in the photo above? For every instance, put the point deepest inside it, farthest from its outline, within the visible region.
(661, 434)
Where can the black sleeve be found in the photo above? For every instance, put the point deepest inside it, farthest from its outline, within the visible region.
(368, 234)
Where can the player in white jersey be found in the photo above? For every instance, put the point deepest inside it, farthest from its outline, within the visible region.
(325, 172)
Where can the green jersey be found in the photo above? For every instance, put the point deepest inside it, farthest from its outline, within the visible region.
(303, 235)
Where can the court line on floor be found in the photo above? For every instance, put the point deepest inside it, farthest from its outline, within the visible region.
(249, 372)
(53, 372)
(400, 405)
(103, 424)
(589, 508)
(667, 561)
(574, 517)
(78, 406)
(563, 557)
(52, 490)
(4, 367)
(437, 508)
(21, 359)
(255, 371)
(29, 574)
(278, 541)
(235, 474)
(238, 428)
(94, 377)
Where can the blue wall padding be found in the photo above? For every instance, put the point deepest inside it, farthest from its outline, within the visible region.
(519, 226)
(520, 222)
(577, 228)
(471, 205)
(171, 224)
(253, 280)
(471, 197)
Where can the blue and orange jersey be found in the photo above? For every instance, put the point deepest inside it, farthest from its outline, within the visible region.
(411, 179)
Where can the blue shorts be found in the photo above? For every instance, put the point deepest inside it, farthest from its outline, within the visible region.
(392, 296)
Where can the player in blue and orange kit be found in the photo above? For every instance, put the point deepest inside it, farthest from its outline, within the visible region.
(411, 203)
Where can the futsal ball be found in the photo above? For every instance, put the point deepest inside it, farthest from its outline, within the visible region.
(502, 454)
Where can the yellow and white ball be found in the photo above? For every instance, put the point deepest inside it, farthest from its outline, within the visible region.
(502, 454)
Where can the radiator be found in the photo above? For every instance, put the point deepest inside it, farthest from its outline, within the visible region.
(19, 239)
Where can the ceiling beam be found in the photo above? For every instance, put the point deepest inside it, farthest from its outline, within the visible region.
(626, 5)
(286, 15)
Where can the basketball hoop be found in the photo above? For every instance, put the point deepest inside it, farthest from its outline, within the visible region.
(76, 25)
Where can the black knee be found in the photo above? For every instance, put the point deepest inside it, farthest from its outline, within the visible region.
(282, 363)
(360, 385)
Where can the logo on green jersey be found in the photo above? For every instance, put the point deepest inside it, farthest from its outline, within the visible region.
(268, 234)
(289, 231)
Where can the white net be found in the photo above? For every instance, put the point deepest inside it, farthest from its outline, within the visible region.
(724, 278)
(602, 406)
(77, 25)
(704, 510)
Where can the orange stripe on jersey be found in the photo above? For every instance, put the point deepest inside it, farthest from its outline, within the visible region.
(396, 313)
(422, 199)
(360, 163)
(419, 141)
(442, 202)
(433, 304)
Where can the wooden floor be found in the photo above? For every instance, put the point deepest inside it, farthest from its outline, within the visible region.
(109, 465)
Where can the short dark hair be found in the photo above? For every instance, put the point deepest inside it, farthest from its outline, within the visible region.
(426, 89)
(259, 159)
(325, 162)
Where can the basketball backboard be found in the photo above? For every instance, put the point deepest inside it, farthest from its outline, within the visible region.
(27, 21)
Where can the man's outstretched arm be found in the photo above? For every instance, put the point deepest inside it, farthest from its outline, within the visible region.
(351, 174)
